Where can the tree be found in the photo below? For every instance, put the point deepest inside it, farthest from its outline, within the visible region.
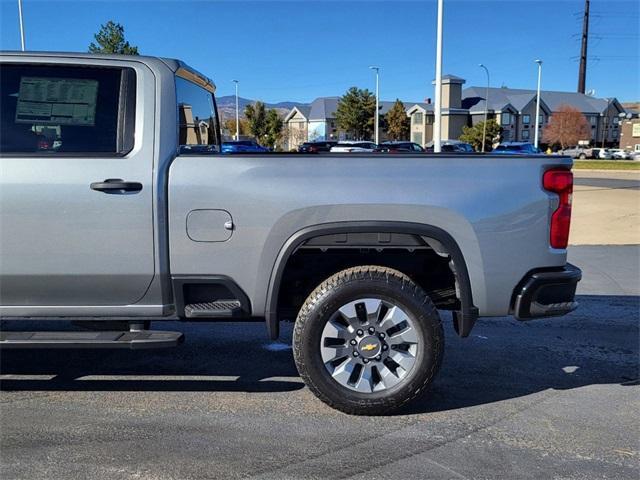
(274, 128)
(566, 127)
(397, 122)
(110, 39)
(257, 120)
(473, 135)
(356, 113)
(229, 126)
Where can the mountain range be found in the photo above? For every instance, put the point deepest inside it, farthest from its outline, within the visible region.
(227, 106)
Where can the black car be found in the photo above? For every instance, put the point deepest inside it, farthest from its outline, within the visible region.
(315, 147)
(400, 147)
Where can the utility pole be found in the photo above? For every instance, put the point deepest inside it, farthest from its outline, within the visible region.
(21, 24)
(486, 109)
(437, 121)
(582, 73)
(377, 119)
(537, 125)
(237, 113)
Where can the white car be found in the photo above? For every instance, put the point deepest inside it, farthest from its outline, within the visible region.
(601, 153)
(354, 147)
(620, 154)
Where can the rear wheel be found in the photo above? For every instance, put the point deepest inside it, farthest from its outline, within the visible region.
(582, 156)
(368, 340)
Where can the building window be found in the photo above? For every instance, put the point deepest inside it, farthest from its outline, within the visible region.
(593, 120)
(614, 134)
(526, 119)
(418, 119)
(505, 119)
(429, 119)
(525, 134)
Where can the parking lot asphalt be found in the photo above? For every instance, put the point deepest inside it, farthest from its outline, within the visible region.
(544, 399)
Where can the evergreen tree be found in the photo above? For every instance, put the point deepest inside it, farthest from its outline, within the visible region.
(110, 39)
(274, 126)
(257, 119)
(397, 122)
(473, 135)
(356, 113)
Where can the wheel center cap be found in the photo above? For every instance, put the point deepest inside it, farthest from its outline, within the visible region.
(369, 346)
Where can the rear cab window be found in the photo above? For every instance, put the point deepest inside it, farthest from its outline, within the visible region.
(66, 110)
(198, 131)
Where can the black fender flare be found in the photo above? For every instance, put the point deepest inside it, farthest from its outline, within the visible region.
(464, 319)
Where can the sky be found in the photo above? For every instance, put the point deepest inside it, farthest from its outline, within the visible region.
(298, 50)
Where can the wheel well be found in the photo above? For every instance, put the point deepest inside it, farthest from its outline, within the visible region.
(424, 260)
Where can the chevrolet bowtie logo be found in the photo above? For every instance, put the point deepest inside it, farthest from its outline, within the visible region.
(369, 346)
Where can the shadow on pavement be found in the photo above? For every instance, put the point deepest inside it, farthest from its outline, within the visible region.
(502, 359)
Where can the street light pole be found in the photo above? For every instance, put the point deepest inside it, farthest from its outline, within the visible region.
(486, 109)
(21, 24)
(437, 123)
(237, 113)
(537, 125)
(377, 119)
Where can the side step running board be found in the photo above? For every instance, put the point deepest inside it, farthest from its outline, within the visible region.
(123, 339)
(217, 309)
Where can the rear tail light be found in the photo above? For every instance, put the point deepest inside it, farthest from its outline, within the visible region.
(560, 182)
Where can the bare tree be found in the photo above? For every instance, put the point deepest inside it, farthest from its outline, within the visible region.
(566, 127)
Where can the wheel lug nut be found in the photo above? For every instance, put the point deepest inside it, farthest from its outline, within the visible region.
(353, 342)
(382, 335)
(372, 330)
(355, 354)
(378, 357)
(360, 333)
(365, 360)
(384, 347)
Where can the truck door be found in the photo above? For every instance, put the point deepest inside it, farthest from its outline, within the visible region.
(76, 222)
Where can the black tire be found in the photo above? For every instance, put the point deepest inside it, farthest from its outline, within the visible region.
(347, 286)
(582, 156)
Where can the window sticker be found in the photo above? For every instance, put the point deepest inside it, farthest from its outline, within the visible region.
(57, 101)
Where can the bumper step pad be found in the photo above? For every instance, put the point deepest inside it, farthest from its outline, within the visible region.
(219, 308)
(121, 339)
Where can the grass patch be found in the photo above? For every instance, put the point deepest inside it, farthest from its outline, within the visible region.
(606, 165)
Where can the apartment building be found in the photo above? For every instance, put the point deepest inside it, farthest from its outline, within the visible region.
(513, 109)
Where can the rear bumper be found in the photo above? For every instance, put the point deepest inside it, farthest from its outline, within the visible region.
(547, 293)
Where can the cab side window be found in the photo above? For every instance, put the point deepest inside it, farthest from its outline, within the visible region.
(59, 110)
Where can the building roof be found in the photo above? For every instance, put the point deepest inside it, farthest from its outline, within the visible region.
(425, 107)
(323, 107)
(499, 99)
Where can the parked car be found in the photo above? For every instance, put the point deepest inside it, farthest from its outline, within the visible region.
(619, 154)
(243, 146)
(316, 147)
(354, 147)
(579, 152)
(601, 153)
(363, 251)
(452, 146)
(516, 148)
(400, 147)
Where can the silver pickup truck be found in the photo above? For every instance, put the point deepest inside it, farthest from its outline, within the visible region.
(117, 205)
